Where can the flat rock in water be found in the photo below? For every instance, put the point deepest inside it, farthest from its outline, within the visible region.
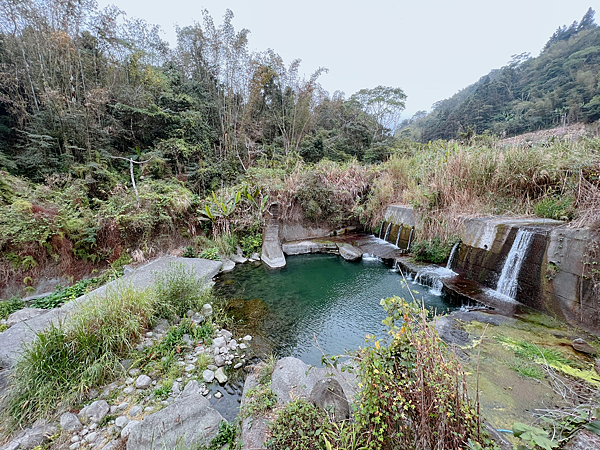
(228, 265)
(220, 375)
(23, 315)
(238, 259)
(582, 346)
(349, 252)
(190, 422)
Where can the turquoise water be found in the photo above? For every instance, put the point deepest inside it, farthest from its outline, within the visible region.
(316, 300)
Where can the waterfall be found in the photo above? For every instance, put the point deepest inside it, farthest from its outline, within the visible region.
(452, 255)
(398, 236)
(507, 284)
(387, 231)
(381, 228)
(410, 238)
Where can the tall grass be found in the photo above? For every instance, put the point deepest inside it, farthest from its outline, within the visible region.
(67, 360)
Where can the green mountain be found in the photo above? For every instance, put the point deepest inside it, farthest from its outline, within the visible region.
(560, 86)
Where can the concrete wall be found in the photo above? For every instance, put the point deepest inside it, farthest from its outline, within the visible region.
(552, 277)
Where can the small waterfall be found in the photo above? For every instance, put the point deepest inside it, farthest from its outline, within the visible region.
(387, 231)
(398, 236)
(381, 228)
(507, 284)
(410, 238)
(452, 256)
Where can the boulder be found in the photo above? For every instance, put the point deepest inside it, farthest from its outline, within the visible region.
(207, 310)
(349, 252)
(23, 315)
(329, 396)
(582, 346)
(31, 437)
(70, 422)
(238, 259)
(94, 412)
(129, 427)
(228, 265)
(188, 422)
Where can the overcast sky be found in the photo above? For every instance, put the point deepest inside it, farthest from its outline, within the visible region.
(429, 48)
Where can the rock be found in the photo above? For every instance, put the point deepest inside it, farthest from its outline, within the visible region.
(207, 310)
(191, 389)
(189, 368)
(349, 252)
(220, 375)
(112, 445)
(254, 257)
(247, 338)
(208, 376)
(143, 382)
(176, 388)
(238, 259)
(129, 381)
(91, 438)
(149, 334)
(243, 346)
(582, 346)
(597, 365)
(121, 421)
(109, 389)
(136, 410)
(31, 437)
(122, 406)
(228, 265)
(94, 412)
(226, 334)
(134, 372)
(218, 395)
(23, 315)
(70, 422)
(129, 427)
(212, 367)
(189, 422)
(74, 446)
(583, 440)
(449, 330)
(187, 340)
(161, 327)
(237, 366)
(219, 360)
(219, 342)
(197, 318)
(129, 390)
(329, 396)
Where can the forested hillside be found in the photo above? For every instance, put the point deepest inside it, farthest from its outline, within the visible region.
(560, 86)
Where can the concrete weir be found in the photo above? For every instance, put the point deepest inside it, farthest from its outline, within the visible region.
(551, 276)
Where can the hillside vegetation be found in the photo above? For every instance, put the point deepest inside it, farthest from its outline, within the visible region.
(115, 147)
(558, 87)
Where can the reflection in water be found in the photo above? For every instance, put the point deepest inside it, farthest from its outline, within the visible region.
(319, 296)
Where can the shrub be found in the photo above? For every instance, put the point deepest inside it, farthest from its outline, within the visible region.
(210, 253)
(251, 244)
(7, 307)
(62, 295)
(414, 393)
(177, 291)
(558, 208)
(189, 252)
(434, 251)
(299, 426)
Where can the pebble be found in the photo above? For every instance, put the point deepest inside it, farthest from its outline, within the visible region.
(135, 411)
(75, 438)
(247, 338)
(190, 368)
(208, 376)
(219, 342)
(218, 394)
(154, 382)
(176, 388)
(237, 366)
(93, 426)
(149, 409)
(121, 421)
(180, 363)
(122, 406)
(134, 372)
(149, 334)
(226, 334)
(143, 382)
(180, 379)
(243, 346)
(207, 309)
(129, 390)
(91, 437)
(74, 446)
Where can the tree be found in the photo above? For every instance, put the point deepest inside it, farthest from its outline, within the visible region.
(384, 103)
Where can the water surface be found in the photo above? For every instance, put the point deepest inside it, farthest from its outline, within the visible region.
(316, 300)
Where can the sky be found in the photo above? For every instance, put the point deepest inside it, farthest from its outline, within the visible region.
(429, 48)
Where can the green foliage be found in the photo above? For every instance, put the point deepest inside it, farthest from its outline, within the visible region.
(558, 208)
(7, 307)
(210, 253)
(226, 438)
(259, 400)
(413, 390)
(65, 361)
(251, 243)
(536, 437)
(62, 295)
(299, 426)
(317, 200)
(431, 251)
(3, 328)
(177, 291)
(189, 252)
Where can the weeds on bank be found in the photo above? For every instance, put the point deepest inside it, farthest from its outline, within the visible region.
(7, 307)
(67, 360)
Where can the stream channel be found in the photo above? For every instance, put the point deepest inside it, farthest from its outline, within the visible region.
(316, 296)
